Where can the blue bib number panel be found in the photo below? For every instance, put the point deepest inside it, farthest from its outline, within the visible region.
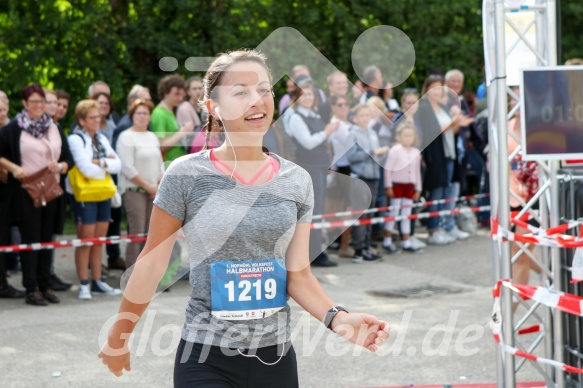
(250, 289)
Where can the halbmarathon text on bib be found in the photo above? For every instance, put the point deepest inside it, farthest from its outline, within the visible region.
(250, 289)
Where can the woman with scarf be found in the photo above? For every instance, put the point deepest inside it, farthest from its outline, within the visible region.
(28, 144)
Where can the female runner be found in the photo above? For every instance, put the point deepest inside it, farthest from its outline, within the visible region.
(246, 218)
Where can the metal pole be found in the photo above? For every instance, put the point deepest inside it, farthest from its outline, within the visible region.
(494, 194)
(541, 19)
(559, 344)
(503, 206)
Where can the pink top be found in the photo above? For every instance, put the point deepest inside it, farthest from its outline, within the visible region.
(272, 163)
(403, 166)
(200, 139)
(37, 154)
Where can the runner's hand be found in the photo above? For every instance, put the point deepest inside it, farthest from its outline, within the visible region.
(116, 360)
(361, 329)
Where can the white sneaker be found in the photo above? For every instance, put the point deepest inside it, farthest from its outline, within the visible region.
(84, 293)
(416, 243)
(457, 234)
(439, 238)
(103, 288)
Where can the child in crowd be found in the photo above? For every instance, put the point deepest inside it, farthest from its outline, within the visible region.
(364, 165)
(402, 184)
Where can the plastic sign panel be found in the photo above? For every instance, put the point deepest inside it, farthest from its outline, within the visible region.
(552, 113)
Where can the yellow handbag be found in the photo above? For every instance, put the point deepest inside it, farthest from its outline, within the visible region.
(89, 189)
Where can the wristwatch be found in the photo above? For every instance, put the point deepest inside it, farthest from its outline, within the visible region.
(331, 314)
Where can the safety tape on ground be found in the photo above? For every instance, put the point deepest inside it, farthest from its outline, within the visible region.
(384, 208)
(496, 327)
(379, 220)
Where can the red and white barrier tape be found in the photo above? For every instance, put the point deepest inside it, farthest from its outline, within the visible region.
(378, 209)
(522, 222)
(553, 240)
(143, 236)
(75, 243)
(559, 300)
(496, 326)
(84, 242)
(379, 220)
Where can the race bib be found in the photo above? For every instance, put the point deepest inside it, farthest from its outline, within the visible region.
(250, 289)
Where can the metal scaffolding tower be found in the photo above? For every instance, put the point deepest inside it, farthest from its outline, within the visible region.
(497, 22)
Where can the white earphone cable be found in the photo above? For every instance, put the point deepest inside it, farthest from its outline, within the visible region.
(263, 362)
(229, 139)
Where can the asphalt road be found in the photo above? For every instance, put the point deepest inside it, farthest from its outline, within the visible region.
(435, 338)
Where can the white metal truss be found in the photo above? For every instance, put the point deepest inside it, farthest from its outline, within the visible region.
(548, 344)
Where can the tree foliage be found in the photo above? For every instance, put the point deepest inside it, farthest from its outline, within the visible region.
(67, 44)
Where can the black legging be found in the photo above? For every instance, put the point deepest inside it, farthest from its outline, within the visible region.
(218, 367)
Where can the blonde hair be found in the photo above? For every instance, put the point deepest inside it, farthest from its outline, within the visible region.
(377, 102)
(83, 108)
(405, 126)
(50, 91)
(359, 107)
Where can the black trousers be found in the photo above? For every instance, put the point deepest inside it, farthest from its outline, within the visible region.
(36, 225)
(220, 368)
(113, 251)
(4, 240)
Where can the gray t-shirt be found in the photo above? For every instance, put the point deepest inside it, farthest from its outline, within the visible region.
(225, 221)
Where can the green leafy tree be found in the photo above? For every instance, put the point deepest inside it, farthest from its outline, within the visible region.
(68, 44)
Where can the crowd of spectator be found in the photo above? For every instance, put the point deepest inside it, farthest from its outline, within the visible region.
(421, 145)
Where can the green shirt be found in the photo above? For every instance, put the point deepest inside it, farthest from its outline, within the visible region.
(164, 125)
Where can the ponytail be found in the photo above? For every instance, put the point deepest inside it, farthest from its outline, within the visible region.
(208, 130)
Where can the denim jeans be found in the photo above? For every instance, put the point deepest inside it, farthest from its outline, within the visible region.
(443, 192)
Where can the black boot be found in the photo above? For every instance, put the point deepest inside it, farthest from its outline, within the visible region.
(58, 284)
(11, 292)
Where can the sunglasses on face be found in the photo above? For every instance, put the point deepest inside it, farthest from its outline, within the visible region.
(342, 104)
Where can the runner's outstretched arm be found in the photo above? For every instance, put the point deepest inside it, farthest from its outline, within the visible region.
(362, 329)
(140, 289)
